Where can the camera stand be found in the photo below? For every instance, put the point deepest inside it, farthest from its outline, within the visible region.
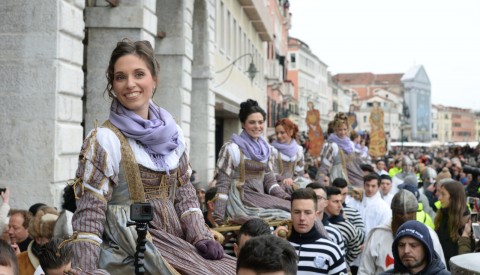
(141, 228)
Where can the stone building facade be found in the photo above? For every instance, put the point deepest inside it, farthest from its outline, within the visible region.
(53, 60)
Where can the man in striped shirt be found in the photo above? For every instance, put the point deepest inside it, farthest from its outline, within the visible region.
(333, 233)
(352, 215)
(352, 236)
(317, 255)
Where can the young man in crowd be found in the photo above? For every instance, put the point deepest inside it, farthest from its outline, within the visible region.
(352, 215)
(317, 254)
(385, 187)
(267, 254)
(352, 236)
(414, 253)
(251, 228)
(372, 208)
(380, 167)
(333, 233)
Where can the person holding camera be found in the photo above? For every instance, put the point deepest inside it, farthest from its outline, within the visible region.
(4, 208)
(139, 155)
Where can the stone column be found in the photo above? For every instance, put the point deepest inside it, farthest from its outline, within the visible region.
(106, 25)
(203, 97)
(41, 58)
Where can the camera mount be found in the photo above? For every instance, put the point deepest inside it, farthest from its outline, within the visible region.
(140, 214)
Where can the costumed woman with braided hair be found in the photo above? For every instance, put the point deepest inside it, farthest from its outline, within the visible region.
(139, 154)
(288, 154)
(244, 172)
(338, 158)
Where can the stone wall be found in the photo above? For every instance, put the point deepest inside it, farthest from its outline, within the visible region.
(41, 58)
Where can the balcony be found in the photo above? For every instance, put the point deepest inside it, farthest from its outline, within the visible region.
(288, 90)
(273, 72)
(257, 12)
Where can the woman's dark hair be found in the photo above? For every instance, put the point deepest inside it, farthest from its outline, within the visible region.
(456, 208)
(288, 126)
(250, 107)
(142, 49)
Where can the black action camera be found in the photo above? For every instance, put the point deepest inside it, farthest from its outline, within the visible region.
(141, 212)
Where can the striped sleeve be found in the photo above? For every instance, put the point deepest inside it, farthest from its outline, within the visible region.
(94, 192)
(353, 239)
(326, 163)
(187, 207)
(336, 236)
(353, 216)
(321, 257)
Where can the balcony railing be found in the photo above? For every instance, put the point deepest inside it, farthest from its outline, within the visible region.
(258, 15)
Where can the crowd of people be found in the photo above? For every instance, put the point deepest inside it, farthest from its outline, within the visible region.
(269, 209)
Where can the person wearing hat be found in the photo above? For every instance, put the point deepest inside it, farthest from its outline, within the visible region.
(412, 184)
(413, 251)
(40, 229)
(378, 256)
(407, 170)
(422, 216)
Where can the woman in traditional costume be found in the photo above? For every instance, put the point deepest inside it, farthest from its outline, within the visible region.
(244, 171)
(139, 155)
(338, 158)
(288, 155)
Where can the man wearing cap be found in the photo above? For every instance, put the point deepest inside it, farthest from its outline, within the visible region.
(413, 251)
(377, 256)
(422, 216)
(412, 181)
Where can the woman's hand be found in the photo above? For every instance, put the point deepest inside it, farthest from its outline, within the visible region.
(467, 229)
(288, 182)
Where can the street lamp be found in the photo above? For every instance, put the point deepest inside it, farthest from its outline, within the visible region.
(404, 120)
(252, 70)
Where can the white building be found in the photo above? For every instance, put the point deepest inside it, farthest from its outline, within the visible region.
(310, 76)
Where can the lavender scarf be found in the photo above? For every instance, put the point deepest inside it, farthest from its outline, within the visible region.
(344, 143)
(257, 150)
(289, 150)
(158, 134)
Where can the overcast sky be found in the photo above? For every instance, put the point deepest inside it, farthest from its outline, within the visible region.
(381, 36)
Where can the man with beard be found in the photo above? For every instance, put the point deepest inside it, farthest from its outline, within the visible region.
(377, 256)
(414, 253)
